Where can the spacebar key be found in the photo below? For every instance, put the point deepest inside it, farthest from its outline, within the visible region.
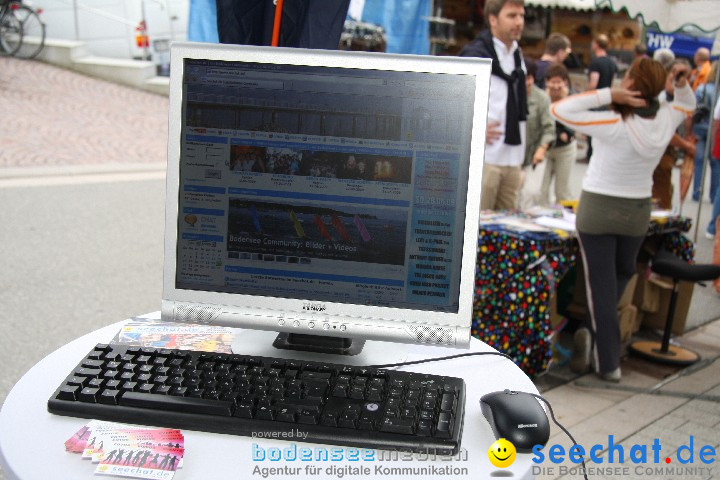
(176, 404)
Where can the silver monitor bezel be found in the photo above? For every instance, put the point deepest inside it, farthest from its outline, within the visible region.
(288, 315)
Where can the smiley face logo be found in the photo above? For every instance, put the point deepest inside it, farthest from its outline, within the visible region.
(502, 453)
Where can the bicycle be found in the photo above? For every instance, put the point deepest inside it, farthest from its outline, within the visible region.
(22, 30)
(10, 30)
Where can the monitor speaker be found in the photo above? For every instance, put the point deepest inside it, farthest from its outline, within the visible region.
(434, 335)
(196, 314)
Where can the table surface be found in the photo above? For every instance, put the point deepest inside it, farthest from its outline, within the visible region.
(32, 440)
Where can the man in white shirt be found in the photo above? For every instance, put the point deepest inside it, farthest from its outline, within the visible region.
(507, 102)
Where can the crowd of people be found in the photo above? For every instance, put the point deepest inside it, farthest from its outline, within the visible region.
(637, 127)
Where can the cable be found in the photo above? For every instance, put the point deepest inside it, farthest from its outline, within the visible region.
(438, 359)
(499, 354)
(552, 415)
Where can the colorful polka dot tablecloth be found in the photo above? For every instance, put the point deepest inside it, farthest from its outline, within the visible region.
(516, 274)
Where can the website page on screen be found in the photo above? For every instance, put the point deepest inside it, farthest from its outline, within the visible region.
(328, 184)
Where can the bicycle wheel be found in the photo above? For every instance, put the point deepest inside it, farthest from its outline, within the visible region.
(33, 31)
(10, 34)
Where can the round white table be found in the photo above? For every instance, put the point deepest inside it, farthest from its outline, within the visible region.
(31, 439)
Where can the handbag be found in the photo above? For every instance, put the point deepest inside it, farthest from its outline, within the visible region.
(702, 111)
(716, 146)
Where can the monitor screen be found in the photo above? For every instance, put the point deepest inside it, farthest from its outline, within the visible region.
(322, 183)
(332, 183)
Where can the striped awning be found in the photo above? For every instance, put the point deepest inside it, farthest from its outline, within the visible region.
(571, 4)
(670, 15)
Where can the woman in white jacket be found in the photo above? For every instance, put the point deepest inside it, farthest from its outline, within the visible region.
(614, 210)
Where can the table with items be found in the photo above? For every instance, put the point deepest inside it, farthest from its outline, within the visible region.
(521, 260)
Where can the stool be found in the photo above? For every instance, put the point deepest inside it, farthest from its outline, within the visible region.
(667, 264)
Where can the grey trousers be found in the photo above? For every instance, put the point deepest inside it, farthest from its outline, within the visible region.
(609, 262)
(559, 162)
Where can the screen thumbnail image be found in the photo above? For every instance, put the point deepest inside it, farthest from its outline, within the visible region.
(247, 158)
(356, 166)
(358, 234)
(318, 163)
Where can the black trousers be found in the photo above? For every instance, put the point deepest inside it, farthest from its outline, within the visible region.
(609, 262)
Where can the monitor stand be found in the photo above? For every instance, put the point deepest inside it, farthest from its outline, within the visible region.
(261, 343)
(318, 344)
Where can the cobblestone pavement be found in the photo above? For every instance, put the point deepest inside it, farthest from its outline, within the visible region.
(52, 116)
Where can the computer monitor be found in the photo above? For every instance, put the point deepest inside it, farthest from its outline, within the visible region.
(330, 196)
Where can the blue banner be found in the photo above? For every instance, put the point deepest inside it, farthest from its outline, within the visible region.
(680, 44)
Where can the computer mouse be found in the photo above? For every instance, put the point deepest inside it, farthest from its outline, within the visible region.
(517, 417)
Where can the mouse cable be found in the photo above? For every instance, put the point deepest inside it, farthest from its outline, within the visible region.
(552, 415)
(499, 354)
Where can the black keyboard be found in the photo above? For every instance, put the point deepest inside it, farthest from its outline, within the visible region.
(240, 394)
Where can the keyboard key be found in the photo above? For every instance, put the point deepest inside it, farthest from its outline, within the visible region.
(88, 394)
(286, 415)
(398, 425)
(109, 397)
(93, 363)
(163, 389)
(96, 383)
(315, 376)
(340, 391)
(447, 403)
(181, 391)
(87, 372)
(265, 413)
(408, 413)
(357, 393)
(113, 384)
(449, 388)
(442, 429)
(315, 391)
(395, 392)
(176, 404)
(129, 386)
(307, 417)
(245, 410)
(423, 428)
(329, 419)
(69, 392)
(374, 394)
(78, 381)
(347, 420)
(366, 422)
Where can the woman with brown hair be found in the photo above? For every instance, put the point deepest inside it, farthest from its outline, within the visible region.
(561, 156)
(614, 209)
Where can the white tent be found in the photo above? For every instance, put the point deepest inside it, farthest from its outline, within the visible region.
(670, 15)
